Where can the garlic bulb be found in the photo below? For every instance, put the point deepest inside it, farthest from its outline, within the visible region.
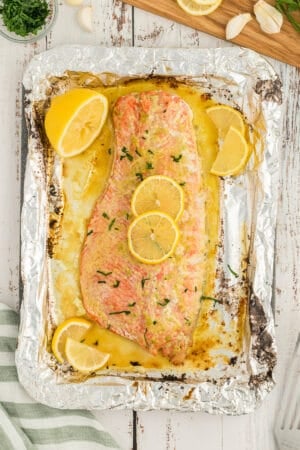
(236, 24)
(269, 19)
(84, 17)
(73, 2)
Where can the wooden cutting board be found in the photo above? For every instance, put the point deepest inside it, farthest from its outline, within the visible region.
(284, 46)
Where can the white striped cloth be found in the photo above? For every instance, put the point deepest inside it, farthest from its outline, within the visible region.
(27, 425)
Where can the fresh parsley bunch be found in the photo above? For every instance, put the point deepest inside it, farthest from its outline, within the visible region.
(24, 17)
(288, 7)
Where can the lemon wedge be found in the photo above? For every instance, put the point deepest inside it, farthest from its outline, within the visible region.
(198, 7)
(75, 327)
(232, 156)
(83, 357)
(159, 193)
(224, 117)
(152, 237)
(74, 120)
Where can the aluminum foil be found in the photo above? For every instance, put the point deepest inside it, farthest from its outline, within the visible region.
(235, 76)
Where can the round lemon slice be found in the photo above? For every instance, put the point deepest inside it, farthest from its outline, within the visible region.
(232, 156)
(74, 120)
(224, 117)
(83, 357)
(195, 8)
(159, 193)
(76, 327)
(152, 237)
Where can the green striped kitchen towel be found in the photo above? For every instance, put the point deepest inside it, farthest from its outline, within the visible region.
(27, 425)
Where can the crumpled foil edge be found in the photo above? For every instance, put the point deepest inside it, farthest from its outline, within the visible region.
(234, 395)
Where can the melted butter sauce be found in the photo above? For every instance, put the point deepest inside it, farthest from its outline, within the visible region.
(84, 180)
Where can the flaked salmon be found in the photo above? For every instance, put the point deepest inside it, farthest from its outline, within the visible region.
(155, 306)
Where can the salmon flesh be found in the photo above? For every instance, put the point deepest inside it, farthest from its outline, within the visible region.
(156, 306)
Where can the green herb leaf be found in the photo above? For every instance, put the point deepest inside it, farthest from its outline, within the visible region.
(138, 153)
(131, 304)
(120, 312)
(232, 271)
(149, 165)
(204, 297)
(139, 176)
(144, 281)
(151, 152)
(165, 302)
(116, 284)
(90, 232)
(126, 154)
(288, 7)
(111, 224)
(109, 151)
(101, 281)
(105, 274)
(182, 183)
(106, 216)
(176, 158)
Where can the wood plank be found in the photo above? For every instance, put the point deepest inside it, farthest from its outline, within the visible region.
(283, 46)
(14, 59)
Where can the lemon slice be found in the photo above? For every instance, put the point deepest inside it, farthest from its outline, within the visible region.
(224, 117)
(83, 357)
(76, 327)
(152, 237)
(232, 156)
(74, 120)
(195, 8)
(159, 193)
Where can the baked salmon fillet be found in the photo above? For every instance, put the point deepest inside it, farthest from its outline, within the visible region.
(154, 305)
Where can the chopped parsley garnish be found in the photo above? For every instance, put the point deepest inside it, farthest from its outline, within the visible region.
(105, 274)
(195, 289)
(134, 363)
(232, 271)
(139, 176)
(109, 151)
(106, 216)
(137, 152)
(165, 302)
(131, 304)
(24, 17)
(126, 154)
(116, 284)
(187, 321)
(144, 281)
(151, 152)
(120, 312)
(204, 297)
(90, 232)
(176, 158)
(96, 343)
(127, 216)
(154, 322)
(111, 224)
(101, 281)
(149, 165)
(182, 183)
(186, 289)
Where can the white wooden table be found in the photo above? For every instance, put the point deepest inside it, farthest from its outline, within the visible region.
(120, 25)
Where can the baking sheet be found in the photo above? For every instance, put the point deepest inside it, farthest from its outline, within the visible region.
(227, 74)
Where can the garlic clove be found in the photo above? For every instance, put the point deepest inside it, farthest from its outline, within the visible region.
(268, 17)
(84, 17)
(236, 25)
(74, 2)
